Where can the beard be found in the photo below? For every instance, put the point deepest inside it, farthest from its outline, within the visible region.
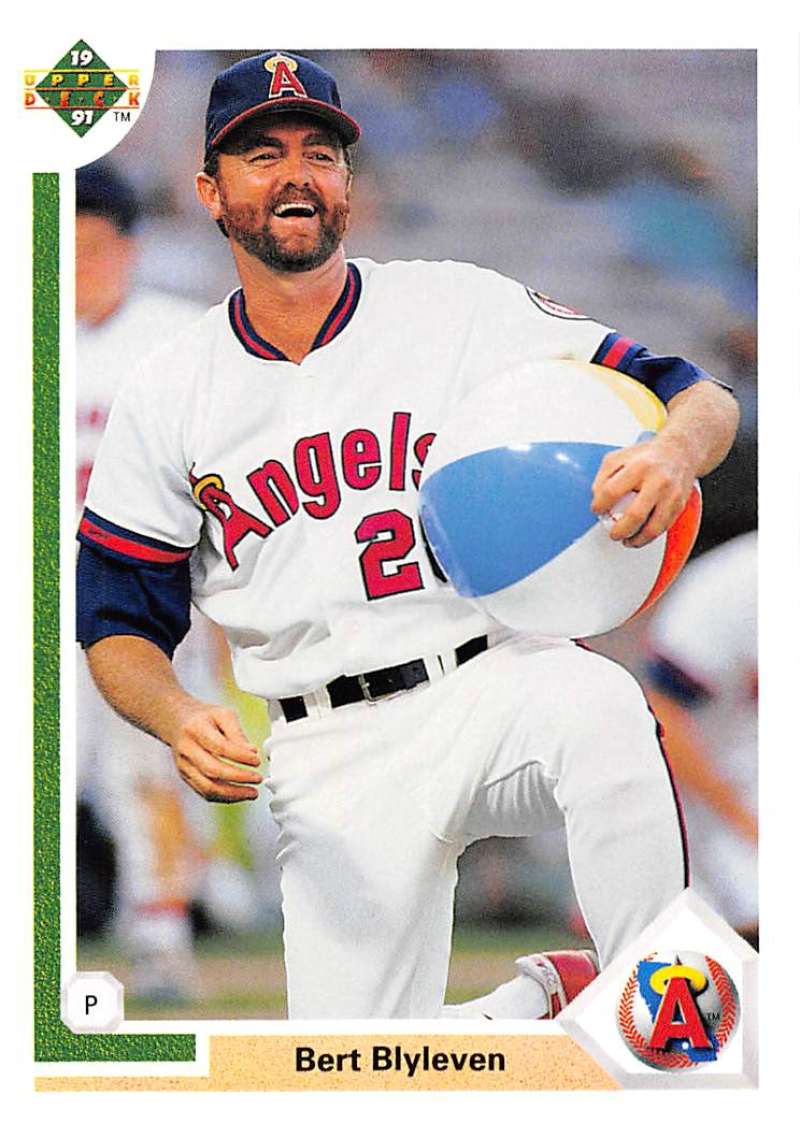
(254, 233)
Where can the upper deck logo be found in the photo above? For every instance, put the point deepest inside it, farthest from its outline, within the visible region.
(678, 1010)
(82, 88)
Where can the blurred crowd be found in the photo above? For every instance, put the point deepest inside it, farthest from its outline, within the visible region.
(622, 183)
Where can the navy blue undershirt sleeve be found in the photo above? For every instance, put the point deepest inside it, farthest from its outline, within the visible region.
(672, 681)
(665, 375)
(117, 597)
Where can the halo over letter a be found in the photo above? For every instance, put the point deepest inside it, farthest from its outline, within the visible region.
(284, 80)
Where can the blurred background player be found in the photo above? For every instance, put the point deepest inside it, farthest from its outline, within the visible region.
(144, 853)
(704, 690)
(118, 320)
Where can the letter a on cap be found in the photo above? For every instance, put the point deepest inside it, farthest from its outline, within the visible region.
(284, 80)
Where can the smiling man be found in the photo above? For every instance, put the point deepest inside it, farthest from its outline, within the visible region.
(266, 467)
(280, 191)
(288, 228)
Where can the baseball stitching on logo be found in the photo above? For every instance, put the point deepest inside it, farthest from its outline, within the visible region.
(727, 998)
(662, 1058)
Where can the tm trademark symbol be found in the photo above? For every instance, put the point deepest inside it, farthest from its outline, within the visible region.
(122, 115)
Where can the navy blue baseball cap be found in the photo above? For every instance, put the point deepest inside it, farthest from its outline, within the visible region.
(101, 190)
(275, 82)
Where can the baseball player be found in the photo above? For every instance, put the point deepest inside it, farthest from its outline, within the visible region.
(121, 771)
(265, 467)
(703, 686)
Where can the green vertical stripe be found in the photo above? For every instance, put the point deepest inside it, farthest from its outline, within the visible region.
(45, 601)
(54, 1041)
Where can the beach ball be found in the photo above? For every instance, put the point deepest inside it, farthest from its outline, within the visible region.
(506, 493)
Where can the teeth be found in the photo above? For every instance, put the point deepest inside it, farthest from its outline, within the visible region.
(295, 208)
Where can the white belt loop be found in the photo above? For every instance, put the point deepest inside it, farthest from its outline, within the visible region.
(438, 666)
(318, 702)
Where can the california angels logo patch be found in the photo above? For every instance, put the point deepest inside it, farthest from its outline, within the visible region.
(678, 1010)
(553, 308)
(284, 79)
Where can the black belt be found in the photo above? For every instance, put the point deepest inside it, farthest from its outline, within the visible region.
(374, 685)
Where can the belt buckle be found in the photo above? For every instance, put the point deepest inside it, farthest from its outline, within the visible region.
(365, 687)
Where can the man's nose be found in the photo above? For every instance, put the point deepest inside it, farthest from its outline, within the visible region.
(295, 169)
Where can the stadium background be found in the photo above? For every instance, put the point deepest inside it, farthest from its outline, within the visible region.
(622, 183)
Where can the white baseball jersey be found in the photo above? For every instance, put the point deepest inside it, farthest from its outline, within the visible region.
(294, 486)
(704, 638)
(707, 628)
(105, 353)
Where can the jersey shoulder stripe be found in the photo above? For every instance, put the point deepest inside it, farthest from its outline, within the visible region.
(616, 351)
(665, 375)
(120, 541)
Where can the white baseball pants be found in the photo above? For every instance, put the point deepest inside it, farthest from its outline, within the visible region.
(375, 802)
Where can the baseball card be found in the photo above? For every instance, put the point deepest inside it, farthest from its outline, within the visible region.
(407, 581)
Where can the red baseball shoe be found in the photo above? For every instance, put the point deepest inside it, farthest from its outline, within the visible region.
(544, 984)
(563, 975)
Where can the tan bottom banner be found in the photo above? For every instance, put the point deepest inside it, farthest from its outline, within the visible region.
(390, 1062)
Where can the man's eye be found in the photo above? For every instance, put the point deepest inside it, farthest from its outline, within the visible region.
(323, 156)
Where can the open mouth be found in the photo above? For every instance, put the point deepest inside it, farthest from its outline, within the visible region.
(294, 210)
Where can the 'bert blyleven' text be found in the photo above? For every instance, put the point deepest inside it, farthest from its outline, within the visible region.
(395, 1058)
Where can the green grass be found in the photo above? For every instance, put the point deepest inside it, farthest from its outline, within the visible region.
(472, 940)
(241, 976)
